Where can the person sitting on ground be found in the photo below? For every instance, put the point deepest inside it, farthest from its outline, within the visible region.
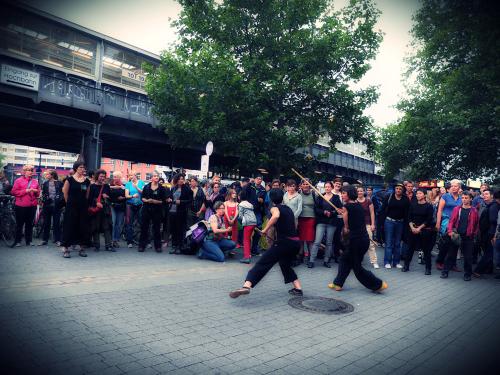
(216, 243)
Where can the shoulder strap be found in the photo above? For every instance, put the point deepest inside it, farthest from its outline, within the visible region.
(100, 194)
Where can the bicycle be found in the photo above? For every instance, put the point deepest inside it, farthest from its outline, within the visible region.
(7, 220)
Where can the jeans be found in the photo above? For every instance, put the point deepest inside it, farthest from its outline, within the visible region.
(133, 215)
(320, 232)
(393, 233)
(214, 250)
(118, 217)
(256, 234)
(51, 217)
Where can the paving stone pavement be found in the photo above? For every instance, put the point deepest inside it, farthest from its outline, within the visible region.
(148, 313)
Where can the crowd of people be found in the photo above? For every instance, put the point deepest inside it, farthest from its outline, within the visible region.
(339, 224)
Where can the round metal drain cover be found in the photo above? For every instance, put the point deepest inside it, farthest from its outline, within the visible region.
(321, 305)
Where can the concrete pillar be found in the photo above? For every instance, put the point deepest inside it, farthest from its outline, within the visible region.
(92, 151)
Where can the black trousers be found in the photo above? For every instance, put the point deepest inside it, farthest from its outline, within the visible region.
(467, 247)
(151, 215)
(337, 243)
(101, 222)
(444, 246)
(178, 221)
(380, 235)
(283, 252)
(421, 241)
(24, 218)
(351, 260)
(51, 217)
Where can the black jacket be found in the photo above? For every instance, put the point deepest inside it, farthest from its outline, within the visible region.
(59, 199)
(320, 206)
(185, 199)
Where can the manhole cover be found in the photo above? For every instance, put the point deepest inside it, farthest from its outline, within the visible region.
(321, 305)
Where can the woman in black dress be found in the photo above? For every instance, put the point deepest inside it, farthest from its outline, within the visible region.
(181, 197)
(355, 230)
(153, 196)
(75, 229)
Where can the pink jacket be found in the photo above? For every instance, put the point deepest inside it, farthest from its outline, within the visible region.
(24, 199)
(472, 225)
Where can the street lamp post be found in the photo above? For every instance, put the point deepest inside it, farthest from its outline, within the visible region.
(39, 169)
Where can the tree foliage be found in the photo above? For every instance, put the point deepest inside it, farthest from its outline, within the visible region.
(451, 122)
(264, 78)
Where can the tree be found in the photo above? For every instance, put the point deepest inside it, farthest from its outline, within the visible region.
(265, 78)
(451, 122)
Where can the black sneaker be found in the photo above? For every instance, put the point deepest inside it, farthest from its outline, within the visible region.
(327, 265)
(444, 275)
(296, 292)
(310, 265)
(427, 271)
(140, 249)
(467, 278)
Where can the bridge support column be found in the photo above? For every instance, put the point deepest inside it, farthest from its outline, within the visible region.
(92, 149)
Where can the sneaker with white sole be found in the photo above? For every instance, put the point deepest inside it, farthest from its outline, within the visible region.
(399, 266)
(376, 266)
(130, 245)
(388, 266)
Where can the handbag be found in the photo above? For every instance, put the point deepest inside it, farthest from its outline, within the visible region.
(94, 210)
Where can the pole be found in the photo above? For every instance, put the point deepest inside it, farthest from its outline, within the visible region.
(316, 190)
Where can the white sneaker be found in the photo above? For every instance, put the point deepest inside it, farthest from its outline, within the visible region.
(399, 266)
(130, 246)
(388, 266)
(375, 265)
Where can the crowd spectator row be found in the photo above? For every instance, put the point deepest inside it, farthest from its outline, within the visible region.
(403, 221)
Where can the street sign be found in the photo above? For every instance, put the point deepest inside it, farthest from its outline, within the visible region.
(209, 148)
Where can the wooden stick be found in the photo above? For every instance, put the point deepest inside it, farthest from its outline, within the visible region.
(316, 190)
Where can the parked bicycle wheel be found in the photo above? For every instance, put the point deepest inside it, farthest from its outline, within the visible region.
(8, 229)
(38, 224)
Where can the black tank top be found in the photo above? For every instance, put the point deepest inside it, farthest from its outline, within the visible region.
(285, 226)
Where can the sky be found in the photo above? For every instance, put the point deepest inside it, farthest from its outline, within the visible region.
(146, 24)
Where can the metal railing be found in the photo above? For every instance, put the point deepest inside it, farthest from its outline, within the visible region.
(76, 91)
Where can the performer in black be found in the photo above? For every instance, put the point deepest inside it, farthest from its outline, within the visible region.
(283, 251)
(355, 229)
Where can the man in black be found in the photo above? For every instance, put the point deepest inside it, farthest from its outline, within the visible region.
(395, 208)
(283, 251)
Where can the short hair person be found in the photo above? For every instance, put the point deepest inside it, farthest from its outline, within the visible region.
(351, 259)
(283, 251)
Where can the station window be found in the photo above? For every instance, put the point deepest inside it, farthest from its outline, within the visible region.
(123, 67)
(34, 37)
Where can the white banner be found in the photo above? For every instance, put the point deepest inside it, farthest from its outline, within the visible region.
(18, 77)
(132, 75)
